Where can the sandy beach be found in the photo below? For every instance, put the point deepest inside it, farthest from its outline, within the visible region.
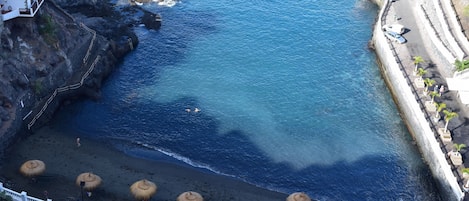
(65, 161)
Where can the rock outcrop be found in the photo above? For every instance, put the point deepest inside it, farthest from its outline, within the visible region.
(63, 44)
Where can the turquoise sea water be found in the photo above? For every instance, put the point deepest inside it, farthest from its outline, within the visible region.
(291, 100)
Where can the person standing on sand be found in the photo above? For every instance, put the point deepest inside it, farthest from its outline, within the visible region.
(78, 142)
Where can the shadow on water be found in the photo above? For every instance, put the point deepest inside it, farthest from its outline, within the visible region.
(164, 48)
(195, 136)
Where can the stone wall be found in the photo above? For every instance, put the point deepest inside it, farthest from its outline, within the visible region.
(414, 117)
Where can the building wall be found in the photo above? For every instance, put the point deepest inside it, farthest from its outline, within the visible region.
(414, 117)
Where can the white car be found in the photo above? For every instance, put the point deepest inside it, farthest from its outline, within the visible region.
(396, 28)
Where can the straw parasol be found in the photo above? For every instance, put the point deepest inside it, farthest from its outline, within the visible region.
(32, 168)
(298, 196)
(143, 189)
(91, 180)
(190, 196)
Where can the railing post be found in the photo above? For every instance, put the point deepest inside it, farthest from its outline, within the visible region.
(24, 196)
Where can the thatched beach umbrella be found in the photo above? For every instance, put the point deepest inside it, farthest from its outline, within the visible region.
(143, 189)
(32, 168)
(91, 180)
(190, 196)
(298, 196)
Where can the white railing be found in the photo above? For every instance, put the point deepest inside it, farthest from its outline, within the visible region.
(10, 15)
(442, 18)
(23, 196)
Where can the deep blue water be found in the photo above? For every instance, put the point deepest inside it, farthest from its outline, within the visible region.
(291, 99)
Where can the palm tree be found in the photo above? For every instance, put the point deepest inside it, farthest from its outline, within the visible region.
(448, 116)
(439, 107)
(417, 61)
(421, 72)
(465, 172)
(455, 154)
(458, 146)
(428, 83)
(433, 94)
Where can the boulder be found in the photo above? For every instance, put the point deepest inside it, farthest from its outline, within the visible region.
(151, 20)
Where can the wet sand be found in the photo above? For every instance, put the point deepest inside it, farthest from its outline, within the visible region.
(65, 161)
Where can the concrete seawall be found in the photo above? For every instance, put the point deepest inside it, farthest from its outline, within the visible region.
(414, 117)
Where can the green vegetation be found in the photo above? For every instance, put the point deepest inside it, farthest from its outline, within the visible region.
(461, 65)
(466, 11)
(439, 107)
(417, 61)
(421, 72)
(47, 30)
(5, 197)
(448, 116)
(458, 147)
(433, 94)
(465, 170)
(428, 83)
(37, 86)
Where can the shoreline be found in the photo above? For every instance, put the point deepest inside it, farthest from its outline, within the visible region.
(65, 161)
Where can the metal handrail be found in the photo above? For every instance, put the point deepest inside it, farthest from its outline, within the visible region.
(72, 86)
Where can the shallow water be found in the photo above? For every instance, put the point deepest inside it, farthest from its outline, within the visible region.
(291, 99)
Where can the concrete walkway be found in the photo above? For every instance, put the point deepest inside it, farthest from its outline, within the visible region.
(419, 44)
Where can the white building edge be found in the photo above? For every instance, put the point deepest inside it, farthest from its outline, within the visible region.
(460, 83)
(11, 9)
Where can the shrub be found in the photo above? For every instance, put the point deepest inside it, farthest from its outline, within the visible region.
(5, 197)
(461, 65)
(47, 30)
(37, 86)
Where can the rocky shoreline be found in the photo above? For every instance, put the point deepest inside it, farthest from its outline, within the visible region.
(43, 57)
(55, 49)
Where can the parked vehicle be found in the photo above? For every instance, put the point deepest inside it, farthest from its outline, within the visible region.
(393, 36)
(398, 28)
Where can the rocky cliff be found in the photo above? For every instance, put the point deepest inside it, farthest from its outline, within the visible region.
(78, 46)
